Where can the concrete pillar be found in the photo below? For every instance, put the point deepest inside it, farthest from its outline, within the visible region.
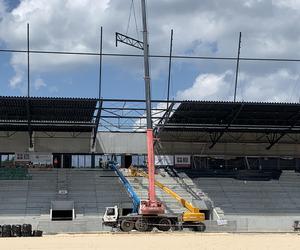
(93, 160)
(62, 161)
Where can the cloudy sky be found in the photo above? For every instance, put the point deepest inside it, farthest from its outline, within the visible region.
(270, 29)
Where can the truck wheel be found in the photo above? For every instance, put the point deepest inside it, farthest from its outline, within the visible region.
(141, 225)
(150, 228)
(200, 228)
(165, 224)
(127, 225)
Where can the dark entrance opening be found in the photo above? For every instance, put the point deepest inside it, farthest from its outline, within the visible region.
(207, 214)
(57, 160)
(62, 215)
(128, 161)
(67, 161)
(62, 210)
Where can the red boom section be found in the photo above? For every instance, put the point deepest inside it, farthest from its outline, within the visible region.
(151, 170)
(151, 206)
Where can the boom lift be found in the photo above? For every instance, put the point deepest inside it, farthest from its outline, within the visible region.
(134, 197)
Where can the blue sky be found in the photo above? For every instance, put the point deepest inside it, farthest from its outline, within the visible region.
(200, 28)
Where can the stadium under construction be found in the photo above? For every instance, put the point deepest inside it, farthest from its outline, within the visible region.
(96, 164)
(238, 162)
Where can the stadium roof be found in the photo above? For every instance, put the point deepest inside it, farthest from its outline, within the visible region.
(220, 117)
(47, 114)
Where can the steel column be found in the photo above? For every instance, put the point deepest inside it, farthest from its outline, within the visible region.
(100, 63)
(28, 91)
(170, 67)
(237, 67)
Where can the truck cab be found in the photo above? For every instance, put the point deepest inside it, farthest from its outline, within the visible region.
(110, 217)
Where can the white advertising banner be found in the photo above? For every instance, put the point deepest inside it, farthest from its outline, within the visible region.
(35, 158)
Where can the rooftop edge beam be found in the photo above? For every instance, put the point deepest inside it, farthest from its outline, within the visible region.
(164, 119)
(294, 119)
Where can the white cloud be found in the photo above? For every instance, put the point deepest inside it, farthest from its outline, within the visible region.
(207, 87)
(157, 113)
(16, 80)
(54, 25)
(292, 4)
(279, 86)
(251, 3)
(53, 89)
(39, 83)
(207, 27)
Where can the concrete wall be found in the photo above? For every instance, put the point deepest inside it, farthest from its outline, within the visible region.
(66, 142)
(62, 142)
(254, 223)
(236, 144)
(230, 149)
(121, 143)
(13, 142)
(45, 142)
(135, 143)
(264, 223)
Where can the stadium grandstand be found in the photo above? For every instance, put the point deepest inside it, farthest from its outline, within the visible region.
(239, 160)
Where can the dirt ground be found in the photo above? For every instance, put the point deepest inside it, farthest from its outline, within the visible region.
(158, 241)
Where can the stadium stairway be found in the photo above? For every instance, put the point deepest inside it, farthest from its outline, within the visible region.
(184, 187)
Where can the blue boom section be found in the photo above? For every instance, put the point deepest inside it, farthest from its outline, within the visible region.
(135, 199)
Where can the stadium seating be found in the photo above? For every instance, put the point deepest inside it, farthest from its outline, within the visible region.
(14, 174)
(91, 190)
(254, 197)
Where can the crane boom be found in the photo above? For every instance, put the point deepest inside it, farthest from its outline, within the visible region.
(150, 206)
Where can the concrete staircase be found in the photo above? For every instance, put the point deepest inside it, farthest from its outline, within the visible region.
(184, 187)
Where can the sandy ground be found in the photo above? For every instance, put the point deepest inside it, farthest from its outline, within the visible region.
(158, 241)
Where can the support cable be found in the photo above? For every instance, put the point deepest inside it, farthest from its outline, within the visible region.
(129, 18)
(152, 56)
